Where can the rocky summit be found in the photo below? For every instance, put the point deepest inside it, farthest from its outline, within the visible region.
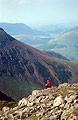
(55, 103)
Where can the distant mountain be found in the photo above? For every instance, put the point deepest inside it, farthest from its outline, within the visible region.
(23, 68)
(57, 55)
(32, 40)
(66, 45)
(18, 28)
(72, 29)
(25, 33)
(53, 30)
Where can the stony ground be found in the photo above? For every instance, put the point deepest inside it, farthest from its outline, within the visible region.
(56, 103)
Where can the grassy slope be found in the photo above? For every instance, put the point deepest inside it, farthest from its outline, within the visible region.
(70, 41)
(14, 88)
(67, 45)
(73, 67)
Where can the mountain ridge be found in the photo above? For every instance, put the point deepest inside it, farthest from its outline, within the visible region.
(20, 32)
(73, 29)
(17, 28)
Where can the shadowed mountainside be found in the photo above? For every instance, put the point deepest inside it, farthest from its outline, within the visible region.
(57, 55)
(4, 97)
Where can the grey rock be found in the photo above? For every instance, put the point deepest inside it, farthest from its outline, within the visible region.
(5, 110)
(46, 99)
(67, 106)
(72, 98)
(51, 97)
(50, 103)
(35, 92)
(23, 102)
(63, 85)
(45, 118)
(31, 103)
(39, 113)
(58, 101)
(55, 117)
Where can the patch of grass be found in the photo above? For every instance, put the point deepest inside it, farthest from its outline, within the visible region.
(31, 118)
(55, 95)
(15, 88)
(8, 104)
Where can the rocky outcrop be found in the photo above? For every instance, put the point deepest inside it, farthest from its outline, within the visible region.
(56, 103)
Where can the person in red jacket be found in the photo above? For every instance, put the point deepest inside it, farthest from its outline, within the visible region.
(48, 85)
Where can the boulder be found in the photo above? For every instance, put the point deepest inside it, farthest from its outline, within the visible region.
(35, 92)
(55, 117)
(50, 103)
(51, 97)
(64, 115)
(23, 102)
(5, 109)
(58, 101)
(46, 99)
(63, 85)
(72, 98)
(30, 103)
(39, 113)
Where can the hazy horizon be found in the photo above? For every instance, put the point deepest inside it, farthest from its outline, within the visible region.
(33, 12)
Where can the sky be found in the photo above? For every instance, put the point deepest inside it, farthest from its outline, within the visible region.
(38, 11)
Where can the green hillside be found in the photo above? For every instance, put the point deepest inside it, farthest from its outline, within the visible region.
(14, 88)
(67, 45)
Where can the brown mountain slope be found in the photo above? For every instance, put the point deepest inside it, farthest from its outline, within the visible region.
(23, 68)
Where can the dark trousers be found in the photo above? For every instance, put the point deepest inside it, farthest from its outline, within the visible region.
(48, 86)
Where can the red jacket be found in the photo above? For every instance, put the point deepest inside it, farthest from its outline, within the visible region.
(49, 84)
